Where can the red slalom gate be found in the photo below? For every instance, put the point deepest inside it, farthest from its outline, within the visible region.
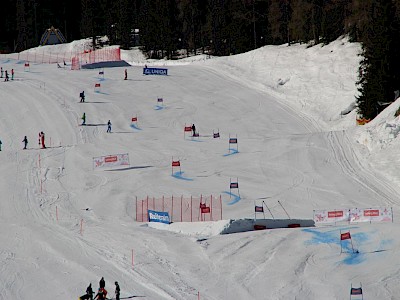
(182, 209)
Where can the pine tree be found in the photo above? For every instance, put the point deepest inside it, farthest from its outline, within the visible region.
(377, 77)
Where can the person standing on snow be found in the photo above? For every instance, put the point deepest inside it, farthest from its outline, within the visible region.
(194, 130)
(102, 283)
(6, 79)
(2, 72)
(126, 74)
(12, 74)
(117, 290)
(41, 140)
(82, 95)
(25, 141)
(109, 126)
(84, 119)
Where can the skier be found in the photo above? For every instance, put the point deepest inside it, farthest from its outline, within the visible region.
(126, 74)
(101, 294)
(117, 290)
(89, 293)
(84, 119)
(2, 72)
(6, 79)
(82, 95)
(109, 126)
(194, 130)
(41, 140)
(12, 74)
(102, 283)
(25, 141)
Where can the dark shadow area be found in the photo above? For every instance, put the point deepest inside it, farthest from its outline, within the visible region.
(94, 125)
(131, 168)
(106, 64)
(94, 102)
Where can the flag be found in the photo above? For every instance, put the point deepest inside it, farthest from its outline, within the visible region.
(134, 119)
(216, 135)
(259, 209)
(345, 236)
(356, 291)
(234, 185)
(233, 141)
(176, 163)
(205, 210)
(188, 128)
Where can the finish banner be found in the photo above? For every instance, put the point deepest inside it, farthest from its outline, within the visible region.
(155, 71)
(158, 216)
(354, 215)
(111, 161)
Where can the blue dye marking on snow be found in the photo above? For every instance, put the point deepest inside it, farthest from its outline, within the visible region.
(354, 258)
(233, 151)
(135, 127)
(158, 107)
(333, 237)
(98, 92)
(193, 139)
(236, 198)
(100, 79)
(178, 175)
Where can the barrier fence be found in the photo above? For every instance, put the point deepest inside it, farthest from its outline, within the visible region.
(181, 209)
(112, 53)
(354, 215)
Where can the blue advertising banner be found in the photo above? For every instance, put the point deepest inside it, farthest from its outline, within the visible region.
(158, 216)
(155, 71)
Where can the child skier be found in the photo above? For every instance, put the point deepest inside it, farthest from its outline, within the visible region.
(84, 119)
(109, 126)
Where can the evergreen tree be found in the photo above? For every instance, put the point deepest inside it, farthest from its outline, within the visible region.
(377, 80)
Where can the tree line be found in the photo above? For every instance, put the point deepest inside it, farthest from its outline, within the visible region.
(222, 27)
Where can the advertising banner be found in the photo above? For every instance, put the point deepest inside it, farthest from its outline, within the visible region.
(158, 216)
(111, 161)
(155, 71)
(331, 216)
(354, 215)
(371, 214)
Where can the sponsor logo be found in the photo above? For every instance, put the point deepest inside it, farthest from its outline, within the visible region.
(155, 71)
(156, 216)
(371, 213)
(335, 214)
(110, 159)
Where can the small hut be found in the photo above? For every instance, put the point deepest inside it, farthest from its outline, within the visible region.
(52, 36)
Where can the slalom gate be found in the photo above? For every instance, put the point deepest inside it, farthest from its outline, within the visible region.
(181, 209)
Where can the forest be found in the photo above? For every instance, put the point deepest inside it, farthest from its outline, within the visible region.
(162, 28)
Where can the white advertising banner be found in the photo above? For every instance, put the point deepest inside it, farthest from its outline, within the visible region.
(331, 216)
(111, 161)
(381, 214)
(354, 215)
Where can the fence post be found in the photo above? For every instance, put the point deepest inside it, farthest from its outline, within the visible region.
(211, 209)
(181, 206)
(191, 209)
